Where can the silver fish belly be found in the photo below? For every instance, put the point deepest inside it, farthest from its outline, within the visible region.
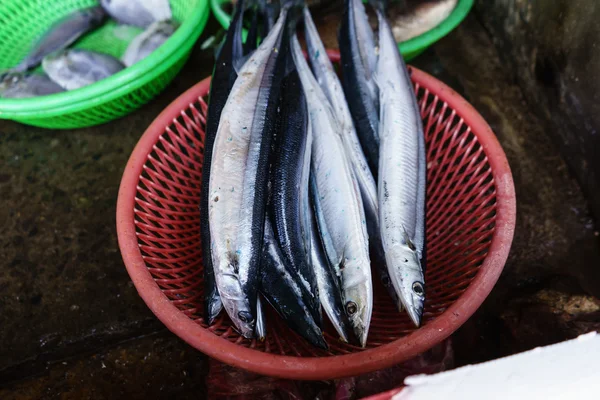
(140, 13)
(233, 188)
(148, 41)
(76, 68)
(338, 204)
(402, 170)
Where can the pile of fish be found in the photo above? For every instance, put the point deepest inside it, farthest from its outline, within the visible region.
(67, 68)
(308, 180)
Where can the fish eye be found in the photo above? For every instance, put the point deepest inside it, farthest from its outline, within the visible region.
(351, 308)
(245, 317)
(418, 288)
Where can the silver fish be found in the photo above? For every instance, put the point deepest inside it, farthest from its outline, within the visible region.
(420, 19)
(76, 68)
(62, 34)
(332, 87)
(148, 41)
(238, 178)
(140, 13)
(402, 170)
(338, 204)
(23, 85)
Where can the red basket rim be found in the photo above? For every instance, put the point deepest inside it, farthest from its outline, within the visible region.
(331, 367)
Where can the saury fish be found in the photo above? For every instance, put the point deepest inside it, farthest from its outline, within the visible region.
(290, 204)
(76, 68)
(140, 13)
(22, 85)
(239, 177)
(332, 87)
(358, 60)
(338, 204)
(283, 292)
(402, 174)
(223, 78)
(62, 34)
(148, 41)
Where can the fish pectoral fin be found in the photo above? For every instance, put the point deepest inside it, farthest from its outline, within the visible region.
(234, 261)
(409, 242)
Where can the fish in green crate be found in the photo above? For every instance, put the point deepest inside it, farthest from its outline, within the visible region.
(16, 85)
(75, 68)
(62, 34)
(402, 173)
(140, 13)
(148, 41)
(417, 17)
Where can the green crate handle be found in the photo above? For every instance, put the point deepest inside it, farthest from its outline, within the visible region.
(409, 49)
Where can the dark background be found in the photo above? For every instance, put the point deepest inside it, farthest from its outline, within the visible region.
(73, 326)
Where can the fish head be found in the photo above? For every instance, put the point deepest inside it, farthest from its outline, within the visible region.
(237, 304)
(409, 283)
(358, 304)
(9, 80)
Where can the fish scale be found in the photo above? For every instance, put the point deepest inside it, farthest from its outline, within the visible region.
(402, 172)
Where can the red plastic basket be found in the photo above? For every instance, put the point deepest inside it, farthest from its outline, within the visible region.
(470, 225)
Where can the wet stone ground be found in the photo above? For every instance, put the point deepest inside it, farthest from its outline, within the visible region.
(72, 325)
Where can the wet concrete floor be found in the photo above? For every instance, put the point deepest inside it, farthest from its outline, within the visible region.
(72, 325)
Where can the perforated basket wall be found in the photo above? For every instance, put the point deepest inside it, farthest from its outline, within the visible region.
(160, 241)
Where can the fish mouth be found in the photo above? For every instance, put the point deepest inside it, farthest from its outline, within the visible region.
(416, 314)
(360, 329)
(214, 308)
(246, 330)
(362, 334)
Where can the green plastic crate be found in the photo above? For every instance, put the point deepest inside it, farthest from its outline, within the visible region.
(409, 49)
(22, 22)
